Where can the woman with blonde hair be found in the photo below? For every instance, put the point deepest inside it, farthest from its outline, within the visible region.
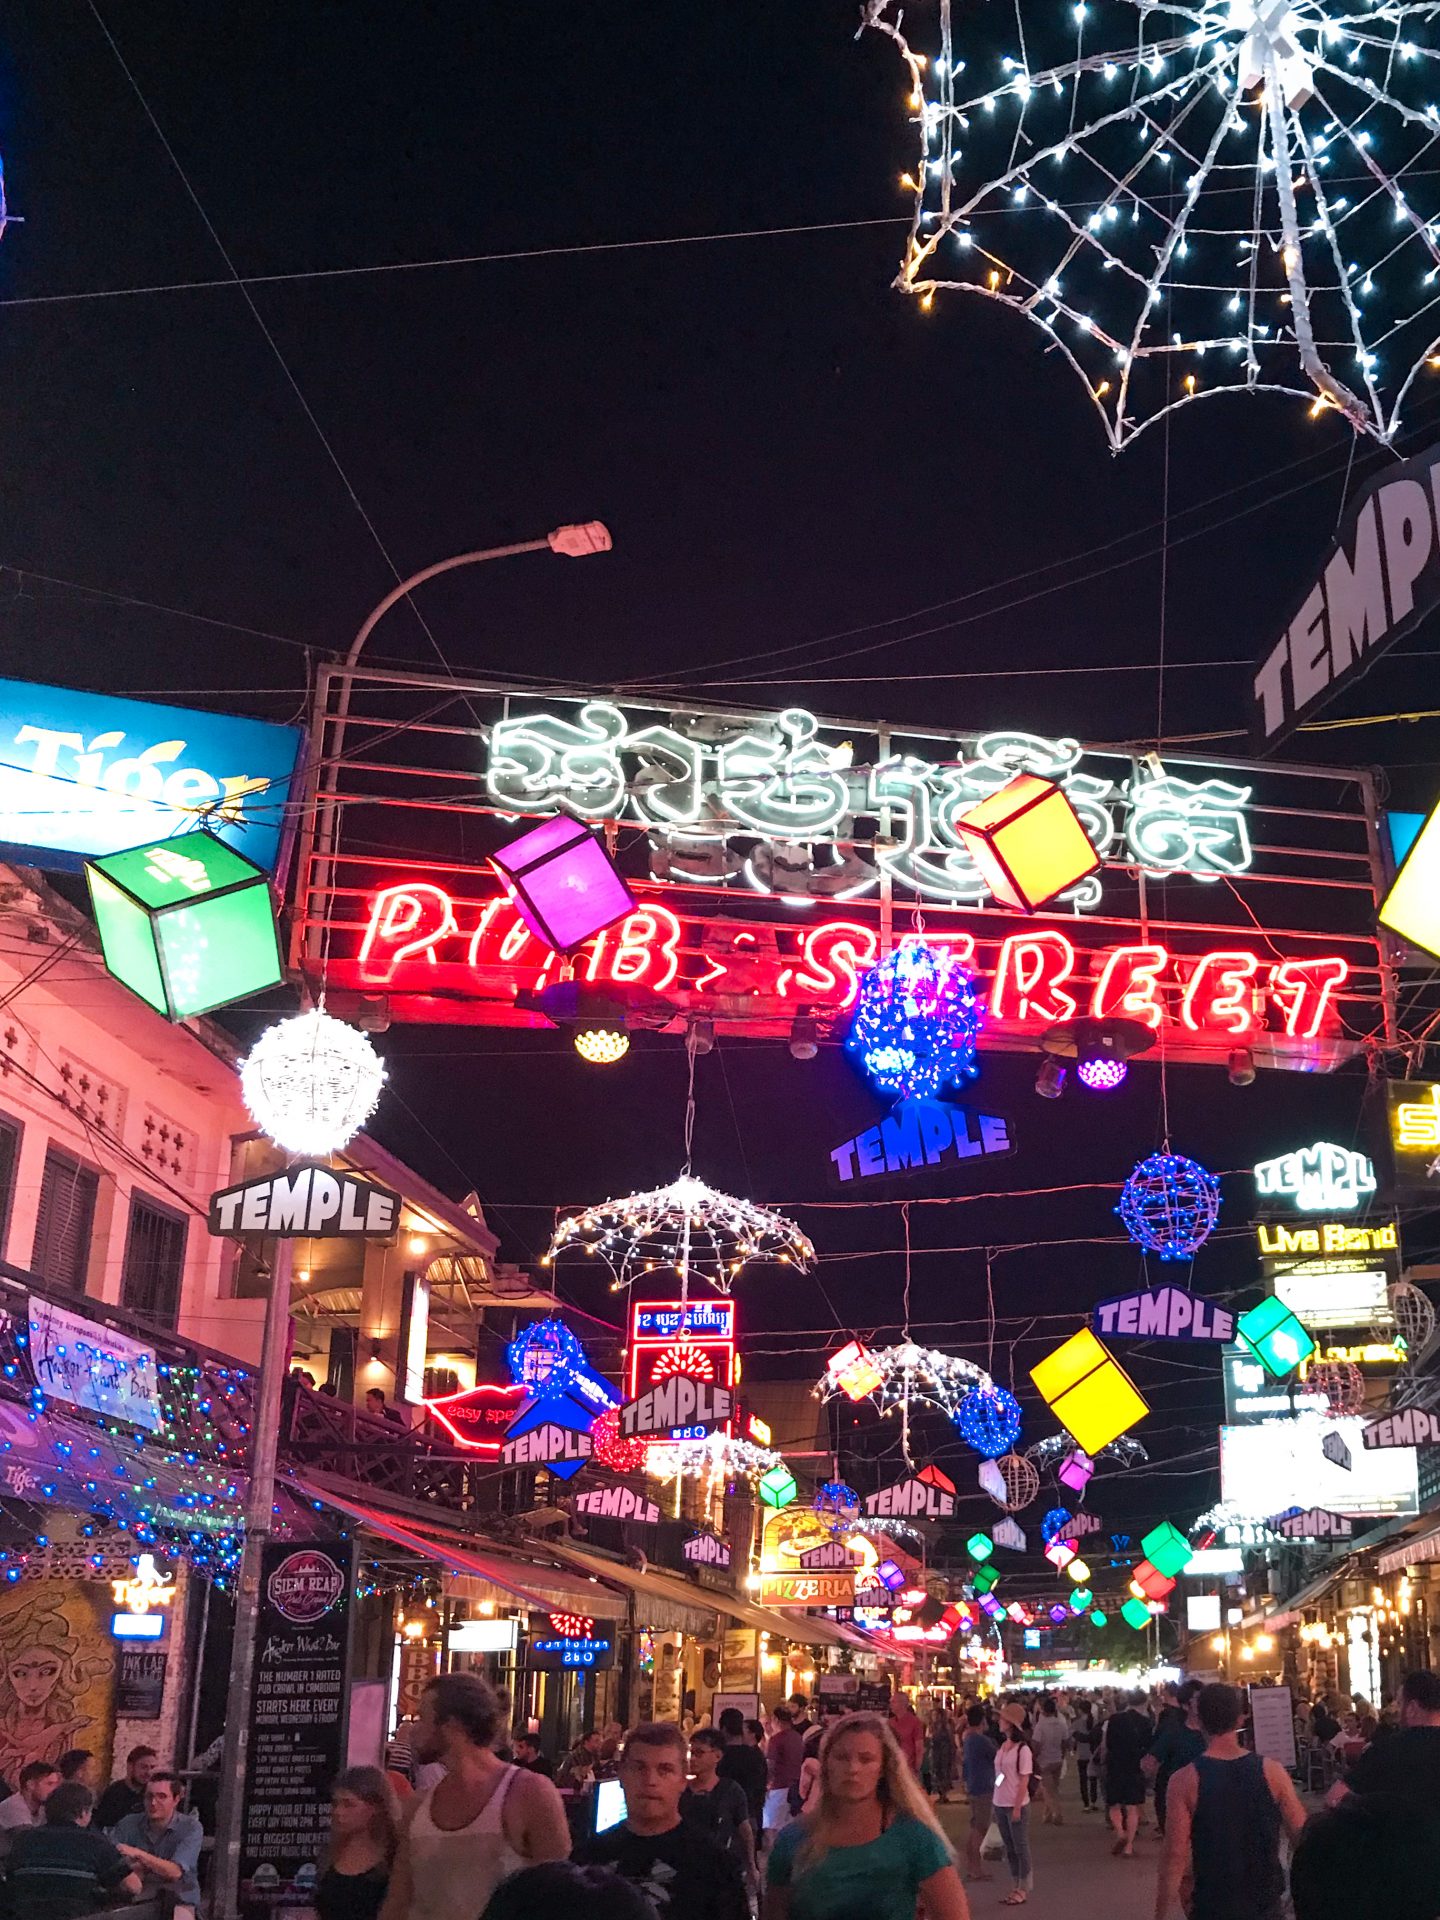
(364, 1832)
(871, 1843)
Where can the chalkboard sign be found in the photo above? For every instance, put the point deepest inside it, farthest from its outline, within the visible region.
(297, 1710)
(874, 1697)
(140, 1690)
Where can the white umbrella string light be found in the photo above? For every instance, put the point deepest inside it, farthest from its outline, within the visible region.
(911, 1374)
(1190, 199)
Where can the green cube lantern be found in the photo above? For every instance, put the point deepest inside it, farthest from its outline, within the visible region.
(983, 1579)
(1167, 1550)
(980, 1546)
(187, 924)
(777, 1487)
(1099, 1619)
(1080, 1599)
(1276, 1338)
(1136, 1613)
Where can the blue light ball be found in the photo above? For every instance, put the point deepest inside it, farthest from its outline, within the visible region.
(988, 1419)
(916, 1022)
(1170, 1205)
(1053, 1526)
(837, 1502)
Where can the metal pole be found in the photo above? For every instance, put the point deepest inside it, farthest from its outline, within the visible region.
(259, 1509)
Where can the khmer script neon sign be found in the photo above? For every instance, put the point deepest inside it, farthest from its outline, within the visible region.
(770, 805)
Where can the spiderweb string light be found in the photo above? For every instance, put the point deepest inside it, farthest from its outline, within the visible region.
(911, 1375)
(1123, 1452)
(1186, 200)
(687, 1227)
(916, 1021)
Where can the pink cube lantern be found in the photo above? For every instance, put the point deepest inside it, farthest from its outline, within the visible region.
(564, 884)
(1076, 1470)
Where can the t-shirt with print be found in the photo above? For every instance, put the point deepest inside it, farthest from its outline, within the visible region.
(59, 1873)
(878, 1881)
(682, 1873)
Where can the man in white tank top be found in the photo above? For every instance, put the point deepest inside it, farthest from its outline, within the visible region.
(481, 1823)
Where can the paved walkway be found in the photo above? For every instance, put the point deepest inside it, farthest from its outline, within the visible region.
(1075, 1876)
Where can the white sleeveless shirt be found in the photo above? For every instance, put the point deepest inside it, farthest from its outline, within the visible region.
(453, 1872)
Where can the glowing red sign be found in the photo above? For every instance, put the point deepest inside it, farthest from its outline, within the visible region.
(479, 1416)
(703, 1345)
(419, 939)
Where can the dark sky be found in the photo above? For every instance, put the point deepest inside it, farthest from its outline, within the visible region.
(784, 448)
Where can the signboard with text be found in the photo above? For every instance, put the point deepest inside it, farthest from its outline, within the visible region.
(745, 816)
(698, 1343)
(312, 1202)
(1413, 1111)
(75, 1359)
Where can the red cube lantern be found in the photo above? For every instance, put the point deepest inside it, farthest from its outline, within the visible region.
(1152, 1583)
(564, 884)
(1028, 841)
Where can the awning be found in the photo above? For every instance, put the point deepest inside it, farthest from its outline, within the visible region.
(1286, 1612)
(529, 1583)
(1424, 1546)
(674, 1591)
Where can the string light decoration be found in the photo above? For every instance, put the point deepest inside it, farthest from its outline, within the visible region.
(989, 1421)
(613, 1450)
(601, 1046)
(1187, 200)
(838, 1505)
(1053, 1526)
(1413, 1316)
(1022, 1480)
(683, 1356)
(911, 1374)
(719, 1460)
(916, 1021)
(1339, 1383)
(311, 1082)
(1124, 1451)
(687, 1227)
(1169, 1205)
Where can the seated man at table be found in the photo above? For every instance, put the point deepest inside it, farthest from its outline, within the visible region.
(66, 1867)
(162, 1843)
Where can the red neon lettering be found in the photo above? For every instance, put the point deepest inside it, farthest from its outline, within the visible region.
(649, 938)
(831, 962)
(1029, 976)
(404, 920)
(488, 913)
(1128, 985)
(1219, 993)
(1306, 989)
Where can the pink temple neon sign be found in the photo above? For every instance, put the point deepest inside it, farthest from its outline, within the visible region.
(419, 939)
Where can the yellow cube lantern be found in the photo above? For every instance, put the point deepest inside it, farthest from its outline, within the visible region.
(1028, 841)
(1412, 906)
(1088, 1391)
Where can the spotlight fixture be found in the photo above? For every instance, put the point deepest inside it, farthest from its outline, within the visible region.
(601, 1045)
(1101, 1049)
(1050, 1080)
(804, 1037)
(700, 1034)
(1242, 1067)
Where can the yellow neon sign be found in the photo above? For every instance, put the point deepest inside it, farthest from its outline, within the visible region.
(1417, 1122)
(146, 1589)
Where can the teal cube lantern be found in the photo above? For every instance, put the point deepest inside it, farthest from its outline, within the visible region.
(777, 1487)
(1099, 1619)
(1136, 1613)
(1167, 1550)
(187, 924)
(980, 1546)
(1276, 1338)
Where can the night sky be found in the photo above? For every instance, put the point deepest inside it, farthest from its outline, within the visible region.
(200, 490)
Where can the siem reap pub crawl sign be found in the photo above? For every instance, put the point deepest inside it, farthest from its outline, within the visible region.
(775, 845)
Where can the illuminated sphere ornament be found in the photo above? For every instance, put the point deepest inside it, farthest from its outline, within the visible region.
(311, 1082)
(1101, 1076)
(916, 1022)
(1413, 1317)
(837, 1504)
(602, 1046)
(1022, 1480)
(1340, 1383)
(1169, 1205)
(545, 1357)
(1186, 199)
(612, 1449)
(1053, 1526)
(989, 1421)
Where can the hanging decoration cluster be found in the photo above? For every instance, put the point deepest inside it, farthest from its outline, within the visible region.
(311, 1082)
(687, 1227)
(989, 1421)
(1189, 199)
(912, 1376)
(1169, 1205)
(916, 1022)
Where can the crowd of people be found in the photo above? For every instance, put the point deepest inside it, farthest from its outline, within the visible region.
(814, 1814)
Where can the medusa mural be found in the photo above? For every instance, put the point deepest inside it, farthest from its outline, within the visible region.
(57, 1670)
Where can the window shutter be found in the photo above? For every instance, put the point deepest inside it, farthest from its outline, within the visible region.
(9, 1157)
(154, 1262)
(65, 1221)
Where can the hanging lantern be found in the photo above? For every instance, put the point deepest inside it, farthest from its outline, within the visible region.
(1169, 1205)
(988, 1420)
(311, 1083)
(777, 1487)
(612, 1449)
(1088, 1391)
(1135, 1613)
(564, 885)
(1076, 1470)
(1273, 1334)
(837, 1504)
(916, 1022)
(1341, 1385)
(1167, 1549)
(1028, 841)
(1022, 1480)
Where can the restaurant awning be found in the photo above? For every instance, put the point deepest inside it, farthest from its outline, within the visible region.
(1412, 1553)
(527, 1581)
(1285, 1613)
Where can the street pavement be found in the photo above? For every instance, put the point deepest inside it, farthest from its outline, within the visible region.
(1075, 1876)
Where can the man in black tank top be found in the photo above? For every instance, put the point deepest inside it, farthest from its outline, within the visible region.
(1223, 1818)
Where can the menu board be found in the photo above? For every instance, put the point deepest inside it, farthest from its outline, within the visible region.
(1272, 1723)
(140, 1688)
(297, 1711)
